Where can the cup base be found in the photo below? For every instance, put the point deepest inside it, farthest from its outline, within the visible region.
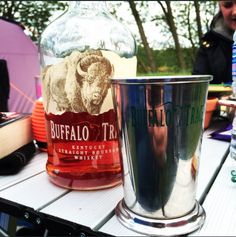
(162, 227)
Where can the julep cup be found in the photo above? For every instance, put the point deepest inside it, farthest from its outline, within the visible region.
(160, 126)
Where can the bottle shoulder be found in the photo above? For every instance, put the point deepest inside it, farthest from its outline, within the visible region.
(73, 32)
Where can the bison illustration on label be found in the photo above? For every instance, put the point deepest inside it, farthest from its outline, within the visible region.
(77, 84)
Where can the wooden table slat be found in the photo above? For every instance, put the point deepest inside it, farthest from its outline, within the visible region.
(86, 208)
(220, 204)
(34, 192)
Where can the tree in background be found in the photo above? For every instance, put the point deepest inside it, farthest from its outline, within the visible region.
(148, 50)
(198, 19)
(33, 15)
(188, 27)
(208, 9)
(169, 18)
(195, 24)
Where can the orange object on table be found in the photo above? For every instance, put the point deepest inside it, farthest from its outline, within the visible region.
(211, 106)
(39, 125)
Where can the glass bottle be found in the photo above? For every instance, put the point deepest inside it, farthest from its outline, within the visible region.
(233, 133)
(79, 52)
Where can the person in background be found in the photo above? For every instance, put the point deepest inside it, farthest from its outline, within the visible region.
(214, 56)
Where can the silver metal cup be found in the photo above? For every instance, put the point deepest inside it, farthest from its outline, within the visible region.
(160, 121)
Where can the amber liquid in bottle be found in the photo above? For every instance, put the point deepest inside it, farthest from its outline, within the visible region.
(107, 175)
(76, 163)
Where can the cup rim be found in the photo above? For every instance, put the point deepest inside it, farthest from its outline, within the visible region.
(172, 79)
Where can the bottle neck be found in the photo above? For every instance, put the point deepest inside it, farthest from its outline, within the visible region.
(87, 6)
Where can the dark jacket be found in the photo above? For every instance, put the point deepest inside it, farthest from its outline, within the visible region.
(214, 57)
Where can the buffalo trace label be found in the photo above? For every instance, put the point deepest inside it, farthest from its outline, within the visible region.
(78, 105)
(85, 136)
(168, 114)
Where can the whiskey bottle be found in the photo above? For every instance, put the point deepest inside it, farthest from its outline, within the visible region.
(79, 52)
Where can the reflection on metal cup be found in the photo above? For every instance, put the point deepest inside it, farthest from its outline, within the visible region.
(160, 121)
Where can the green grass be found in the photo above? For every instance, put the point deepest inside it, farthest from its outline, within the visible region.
(165, 73)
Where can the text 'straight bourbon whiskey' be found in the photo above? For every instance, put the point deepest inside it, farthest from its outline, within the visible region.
(80, 52)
